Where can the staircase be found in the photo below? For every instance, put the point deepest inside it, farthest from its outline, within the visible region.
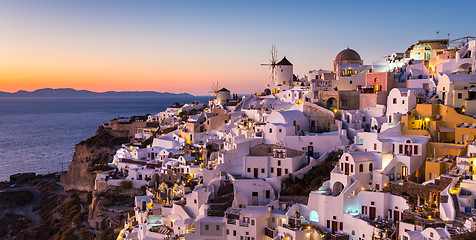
(460, 216)
(222, 200)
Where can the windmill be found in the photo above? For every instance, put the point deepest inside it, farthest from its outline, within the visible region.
(272, 62)
(215, 86)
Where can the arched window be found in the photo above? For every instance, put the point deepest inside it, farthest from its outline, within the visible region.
(376, 80)
(313, 216)
(355, 72)
(343, 72)
(371, 167)
(361, 167)
(349, 72)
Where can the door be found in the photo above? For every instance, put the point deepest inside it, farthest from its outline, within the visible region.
(396, 216)
(334, 226)
(255, 173)
(279, 172)
(346, 168)
(372, 213)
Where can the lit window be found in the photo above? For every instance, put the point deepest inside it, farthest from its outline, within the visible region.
(376, 80)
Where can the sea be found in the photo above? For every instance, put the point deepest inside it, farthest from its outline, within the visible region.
(38, 134)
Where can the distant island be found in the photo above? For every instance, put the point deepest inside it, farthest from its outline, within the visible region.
(69, 92)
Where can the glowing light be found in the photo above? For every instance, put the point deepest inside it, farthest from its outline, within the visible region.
(427, 119)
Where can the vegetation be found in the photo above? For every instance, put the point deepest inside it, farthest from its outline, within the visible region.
(312, 180)
(147, 142)
(89, 198)
(107, 234)
(125, 185)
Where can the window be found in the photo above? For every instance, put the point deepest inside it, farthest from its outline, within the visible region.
(252, 222)
(234, 232)
(460, 95)
(270, 130)
(400, 148)
(350, 82)
(268, 194)
(415, 150)
(249, 169)
(375, 146)
(194, 200)
(279, 162)
(285, 171)
(218, 228)
(361, 168)
(376, 80)
(328, 223)
(364, 119)
(349, 72)
(403, 101)
(355, 72)
(351, 168)
(394, 100)
(272, 170)
(262, 170)
(343, 72)
(371, 167)
(280, 130)
(228, 232)
(341, 226)
(206, 227)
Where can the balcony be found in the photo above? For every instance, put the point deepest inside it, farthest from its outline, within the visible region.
(244, 224)
(269, 232)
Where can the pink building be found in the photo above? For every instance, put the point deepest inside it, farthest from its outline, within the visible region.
(380, 81)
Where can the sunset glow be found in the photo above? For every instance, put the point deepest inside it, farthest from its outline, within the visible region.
(162, 46)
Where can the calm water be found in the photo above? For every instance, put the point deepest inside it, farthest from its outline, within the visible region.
(39, 134)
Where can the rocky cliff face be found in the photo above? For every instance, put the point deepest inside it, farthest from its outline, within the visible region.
(91, 155)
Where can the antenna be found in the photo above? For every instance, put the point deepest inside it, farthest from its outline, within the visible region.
(448, 36)
(272, 62)
(437, 32)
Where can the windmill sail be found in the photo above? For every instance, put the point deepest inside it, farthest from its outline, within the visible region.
(272, 62)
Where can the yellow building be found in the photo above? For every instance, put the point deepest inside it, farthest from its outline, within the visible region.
(438, 166)
(443, 124)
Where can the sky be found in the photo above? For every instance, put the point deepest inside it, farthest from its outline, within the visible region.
(184, 46)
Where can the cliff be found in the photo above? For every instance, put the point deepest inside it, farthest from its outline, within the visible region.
(91, 155)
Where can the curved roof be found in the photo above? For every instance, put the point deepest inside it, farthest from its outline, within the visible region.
(348, 54)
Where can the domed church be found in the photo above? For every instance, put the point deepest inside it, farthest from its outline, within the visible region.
(347, 56)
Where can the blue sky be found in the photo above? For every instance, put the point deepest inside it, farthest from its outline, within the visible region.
(158, 42)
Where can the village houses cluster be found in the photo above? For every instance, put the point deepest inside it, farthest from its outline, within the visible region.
(399, 135)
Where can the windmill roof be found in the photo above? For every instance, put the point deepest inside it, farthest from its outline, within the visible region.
(284, 61)
(223, 90)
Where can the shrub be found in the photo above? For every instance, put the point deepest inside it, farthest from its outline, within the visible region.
(126, 185)
(89, 198)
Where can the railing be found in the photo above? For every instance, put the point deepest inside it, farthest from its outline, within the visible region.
(244, 224)
(231, 221)
(269, 232)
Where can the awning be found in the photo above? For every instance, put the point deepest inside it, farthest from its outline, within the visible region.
(446, 129)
